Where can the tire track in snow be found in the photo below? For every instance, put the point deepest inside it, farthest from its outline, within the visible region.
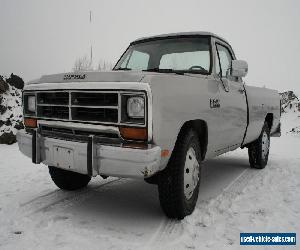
(168, 230)
(56, 192)
(173, 231)
(60, 198)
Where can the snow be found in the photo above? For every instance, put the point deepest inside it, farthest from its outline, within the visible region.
(12, 99)
(125, 214)
(292, 118)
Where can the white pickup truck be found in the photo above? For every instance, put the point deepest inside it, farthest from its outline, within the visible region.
(171, 102)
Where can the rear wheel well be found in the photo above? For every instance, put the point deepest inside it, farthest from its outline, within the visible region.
(269, 120)
(200, 127)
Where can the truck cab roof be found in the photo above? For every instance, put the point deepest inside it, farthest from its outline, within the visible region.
(179, 34)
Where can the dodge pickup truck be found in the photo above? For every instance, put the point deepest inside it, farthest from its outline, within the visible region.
(171, 102)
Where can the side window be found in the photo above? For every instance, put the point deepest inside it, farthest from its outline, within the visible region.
(136, 61)
(225, 60)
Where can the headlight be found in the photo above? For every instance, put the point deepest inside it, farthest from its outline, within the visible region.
(31, 103)
(136, 107)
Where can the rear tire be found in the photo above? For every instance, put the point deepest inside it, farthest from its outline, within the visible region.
(178, 184)
(258, 150)
(68, 180)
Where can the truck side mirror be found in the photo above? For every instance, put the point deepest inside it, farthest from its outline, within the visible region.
(239, 68)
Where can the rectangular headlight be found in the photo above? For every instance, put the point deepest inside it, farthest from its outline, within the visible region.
(136, 107)
(31, 103)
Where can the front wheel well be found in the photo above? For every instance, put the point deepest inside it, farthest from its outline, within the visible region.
(269, 120)
(200, 127)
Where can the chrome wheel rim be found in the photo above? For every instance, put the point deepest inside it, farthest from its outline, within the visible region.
(191, 173)
(265, 145)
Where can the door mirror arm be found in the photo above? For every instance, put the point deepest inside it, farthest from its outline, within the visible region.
(228, 72)
(225, 84)
(224, 81)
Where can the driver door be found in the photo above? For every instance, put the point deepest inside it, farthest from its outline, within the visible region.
(233, 105)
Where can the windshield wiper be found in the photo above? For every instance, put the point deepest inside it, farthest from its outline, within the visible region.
(158, 70)
(194, 71)
(120, 68)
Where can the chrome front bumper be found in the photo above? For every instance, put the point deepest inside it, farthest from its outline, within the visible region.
(89, 157)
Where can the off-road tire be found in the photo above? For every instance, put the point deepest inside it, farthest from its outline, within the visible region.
(68, 180)
(258, 158)
(171, 180)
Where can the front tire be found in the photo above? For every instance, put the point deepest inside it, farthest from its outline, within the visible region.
(178, 184)
(68, 180)
(258, 150)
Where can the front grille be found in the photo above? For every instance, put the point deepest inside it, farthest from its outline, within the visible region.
(95, 114)
(97, 107)
(81, 106)
(56, 112)
(94, 99)
(53, 98)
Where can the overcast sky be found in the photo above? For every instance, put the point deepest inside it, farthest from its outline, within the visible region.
(43, 37)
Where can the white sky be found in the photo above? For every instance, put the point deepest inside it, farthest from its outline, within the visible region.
(43, 37)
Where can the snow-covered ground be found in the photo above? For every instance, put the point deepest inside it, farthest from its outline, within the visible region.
(125, 214)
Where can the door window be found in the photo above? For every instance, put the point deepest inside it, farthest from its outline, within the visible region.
(223, 59)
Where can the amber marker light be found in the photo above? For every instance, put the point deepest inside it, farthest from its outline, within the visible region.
(30, 123)
(134, 133)
(164, 153)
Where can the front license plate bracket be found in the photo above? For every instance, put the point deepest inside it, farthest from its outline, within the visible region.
(63, 157)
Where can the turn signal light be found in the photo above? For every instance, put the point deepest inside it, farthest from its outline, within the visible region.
(164, 153)
(30, 123)
(134, 133)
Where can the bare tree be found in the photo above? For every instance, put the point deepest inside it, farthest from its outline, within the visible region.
(85, 64)
(104, 65)
(82, 64)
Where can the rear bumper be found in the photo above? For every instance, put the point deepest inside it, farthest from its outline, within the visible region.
(88, 157)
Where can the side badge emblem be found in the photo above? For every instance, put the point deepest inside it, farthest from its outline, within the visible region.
(215, 103)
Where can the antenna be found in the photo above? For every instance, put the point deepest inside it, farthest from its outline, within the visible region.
(91, 37)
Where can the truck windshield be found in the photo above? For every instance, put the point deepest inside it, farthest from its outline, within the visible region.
(169, 55)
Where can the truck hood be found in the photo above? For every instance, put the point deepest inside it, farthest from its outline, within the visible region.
(134, 80)
(93, 76)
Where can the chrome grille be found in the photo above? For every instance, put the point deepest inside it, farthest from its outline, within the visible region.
(56, 112)
(53, 98)
(94, 99)
(86, 106)
(95, 114)
(107, 107)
